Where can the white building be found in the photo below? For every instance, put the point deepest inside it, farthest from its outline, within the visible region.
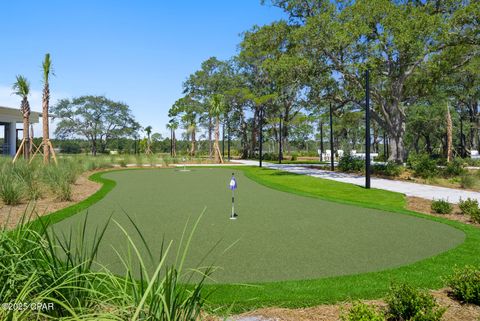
(9, 118)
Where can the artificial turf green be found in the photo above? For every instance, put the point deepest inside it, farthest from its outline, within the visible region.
(428, 273)
(279, 236)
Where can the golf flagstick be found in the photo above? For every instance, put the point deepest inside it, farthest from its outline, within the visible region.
(233, 187)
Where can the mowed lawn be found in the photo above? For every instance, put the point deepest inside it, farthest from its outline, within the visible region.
(278, 236)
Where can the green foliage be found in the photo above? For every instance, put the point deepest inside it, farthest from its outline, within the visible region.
(441, 206)
(454, 168)
(96, 118)
(422, 165)
(349, 163)
(465, 284)
(59, 180)
(390, 169)
(38, 265)
(270, 157)
(294, 157)
(475, 216)
(408, 303)
(467, 181)
(28, 176)
(468, 206)
(11, 190)
(362, 312)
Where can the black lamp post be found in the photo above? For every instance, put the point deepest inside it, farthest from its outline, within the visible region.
(228, 138)
(367, 129)
(280, 153)
(321, 141)
(332, 154)
(223, 139)
(261, 137)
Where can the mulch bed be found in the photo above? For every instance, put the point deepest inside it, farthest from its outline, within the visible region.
(10, 216)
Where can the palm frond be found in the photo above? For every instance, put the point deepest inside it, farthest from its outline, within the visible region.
(21, 87)
(47, 68)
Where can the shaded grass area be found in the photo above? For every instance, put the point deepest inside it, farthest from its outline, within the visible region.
(426, 273)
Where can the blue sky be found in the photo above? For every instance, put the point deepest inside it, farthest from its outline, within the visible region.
(138, 52)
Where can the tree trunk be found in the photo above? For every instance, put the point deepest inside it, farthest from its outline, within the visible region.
(254, 133)
(26, 128)
(216, 148)
(210, 137)
(45, 123)
(192, 149)
(94, 147)
(174, 144)
(449, 135)
(244, 139)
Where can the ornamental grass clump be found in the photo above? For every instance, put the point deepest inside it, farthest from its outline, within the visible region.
(59, 178)
(467, 180)
(11, 189)
(39, 265)
(28, 174)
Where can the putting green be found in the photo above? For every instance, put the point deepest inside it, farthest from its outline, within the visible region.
(278, 236)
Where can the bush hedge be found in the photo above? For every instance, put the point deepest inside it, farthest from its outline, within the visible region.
(441, 207)
(408, 303)
(465, 284)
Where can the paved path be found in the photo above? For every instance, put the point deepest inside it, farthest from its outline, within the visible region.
(409, 189)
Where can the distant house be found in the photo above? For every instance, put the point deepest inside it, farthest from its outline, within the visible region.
(9, 118)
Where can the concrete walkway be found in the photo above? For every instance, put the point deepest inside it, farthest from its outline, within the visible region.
(407, 188)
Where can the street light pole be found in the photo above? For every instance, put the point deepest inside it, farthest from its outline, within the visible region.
(367, 129)
(261, 136)
(332, 154)
(280, 153)
(321, 141)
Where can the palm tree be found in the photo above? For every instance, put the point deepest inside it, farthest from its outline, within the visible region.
(47, 70)
(173, 125)
(148, 130)
(22, 88)
(217, 106)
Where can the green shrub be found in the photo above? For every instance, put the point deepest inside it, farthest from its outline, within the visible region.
(362, 312)
(122, 162)
(475, 216)
(408, 303)
(422, 165)
(270, 156)
(390, 169)
(294, 156)
(467, 181)
(11, 190)
(465, 284)
(441, 206)
(454, 168)
(468, 206)
(349, 163)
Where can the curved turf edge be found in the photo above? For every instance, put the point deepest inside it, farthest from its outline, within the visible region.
(428, 273)
(55, 217)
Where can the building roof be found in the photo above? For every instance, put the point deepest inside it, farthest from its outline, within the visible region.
(9, 115)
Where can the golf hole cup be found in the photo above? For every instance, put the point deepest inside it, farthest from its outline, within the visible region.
(233, 186)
